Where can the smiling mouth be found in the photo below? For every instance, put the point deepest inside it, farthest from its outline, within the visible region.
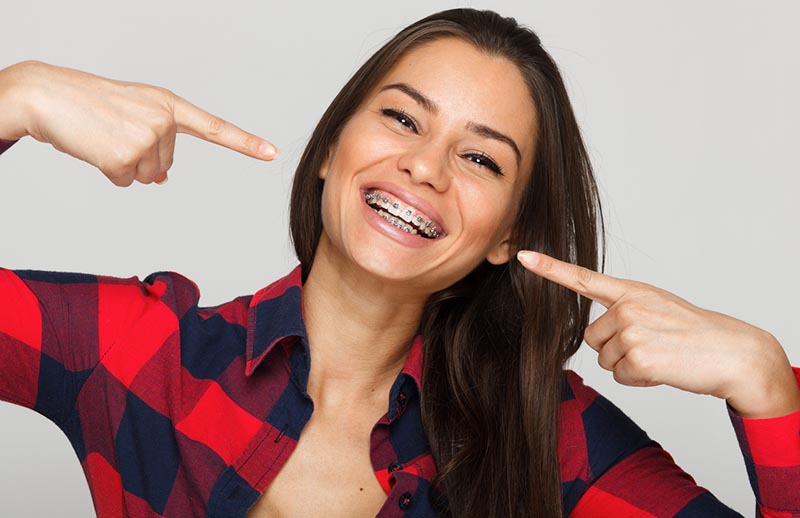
(404, 218)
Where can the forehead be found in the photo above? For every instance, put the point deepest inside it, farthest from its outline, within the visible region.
(470, 85)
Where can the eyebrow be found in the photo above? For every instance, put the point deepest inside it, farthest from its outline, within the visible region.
(431, 107)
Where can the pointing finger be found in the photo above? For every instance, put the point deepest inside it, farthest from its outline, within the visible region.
(599, 287)
(197, 122)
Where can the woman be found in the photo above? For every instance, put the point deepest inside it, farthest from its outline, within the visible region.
(422, 181)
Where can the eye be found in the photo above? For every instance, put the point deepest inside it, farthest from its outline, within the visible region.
(484, 161)
(401, 117)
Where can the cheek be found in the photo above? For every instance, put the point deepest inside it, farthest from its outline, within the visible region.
(486, 229)
(363, 144)
(485, 212)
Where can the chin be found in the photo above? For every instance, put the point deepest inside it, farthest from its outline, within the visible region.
(387, 266)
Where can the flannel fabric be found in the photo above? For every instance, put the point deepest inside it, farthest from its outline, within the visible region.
(5, 144)
(178, 410)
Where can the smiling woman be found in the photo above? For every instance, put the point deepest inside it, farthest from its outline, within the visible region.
(450, 151)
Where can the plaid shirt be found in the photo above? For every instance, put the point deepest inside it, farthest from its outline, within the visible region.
(176, 410)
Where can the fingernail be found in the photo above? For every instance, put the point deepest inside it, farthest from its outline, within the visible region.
(162, 182)
(528, 257)
(268, 150)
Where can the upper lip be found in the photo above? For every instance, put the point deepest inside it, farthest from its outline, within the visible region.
(409, 199)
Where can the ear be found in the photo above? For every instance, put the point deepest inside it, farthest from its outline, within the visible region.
(501, 252)
(323, 169)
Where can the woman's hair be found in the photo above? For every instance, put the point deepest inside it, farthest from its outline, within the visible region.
(497, 341)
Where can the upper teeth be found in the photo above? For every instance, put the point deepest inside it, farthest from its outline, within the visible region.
(407, 213)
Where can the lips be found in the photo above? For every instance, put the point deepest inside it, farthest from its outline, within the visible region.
(408, 199)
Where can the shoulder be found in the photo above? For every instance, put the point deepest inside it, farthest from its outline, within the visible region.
(173, 297)
(172, 288)
(112, 297)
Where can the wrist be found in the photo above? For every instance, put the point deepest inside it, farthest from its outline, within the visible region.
(779, 403)
(768, 389)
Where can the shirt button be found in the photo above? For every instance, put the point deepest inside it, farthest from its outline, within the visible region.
(395, 466)
(405, 500)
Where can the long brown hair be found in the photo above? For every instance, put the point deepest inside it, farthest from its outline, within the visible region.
(496, 342)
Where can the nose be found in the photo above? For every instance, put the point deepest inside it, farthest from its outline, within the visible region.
(426, 162)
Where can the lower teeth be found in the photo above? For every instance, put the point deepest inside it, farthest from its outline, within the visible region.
(398, 223)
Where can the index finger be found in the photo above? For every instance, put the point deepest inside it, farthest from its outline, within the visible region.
(599, 287)
(195, 121)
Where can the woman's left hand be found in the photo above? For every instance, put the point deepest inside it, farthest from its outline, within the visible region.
(649, 336)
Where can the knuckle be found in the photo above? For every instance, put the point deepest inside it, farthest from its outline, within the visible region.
(626, 377)
(146, 136)
(215, 125)
(147, 172)
(152, 138)
(589, 335)
(251, 143)
(638, 358)
(584, 277)
(547, 264)
(127, 158)
(603, 362)
(629, 312)
(163, 125)
(165, 93)
(121, 180)
(630, 335)
(144, 177)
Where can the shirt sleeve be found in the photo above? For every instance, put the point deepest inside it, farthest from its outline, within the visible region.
(611, 467)
(57, 328)
(5, 144)
(771, 451)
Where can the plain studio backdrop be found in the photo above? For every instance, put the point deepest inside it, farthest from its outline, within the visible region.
(689, 110)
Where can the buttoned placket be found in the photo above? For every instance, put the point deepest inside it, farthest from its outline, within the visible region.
(404, 484)
(269, 450)
(266, 454)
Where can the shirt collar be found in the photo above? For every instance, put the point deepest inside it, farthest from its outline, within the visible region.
(275, 313)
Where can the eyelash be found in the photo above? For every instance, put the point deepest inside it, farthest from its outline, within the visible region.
(485, 161)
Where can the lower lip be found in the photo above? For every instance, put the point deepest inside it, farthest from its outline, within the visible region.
(386, 228)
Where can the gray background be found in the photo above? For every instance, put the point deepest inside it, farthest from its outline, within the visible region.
(689, 110)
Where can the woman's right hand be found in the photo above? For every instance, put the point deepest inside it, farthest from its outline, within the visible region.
(125, 129)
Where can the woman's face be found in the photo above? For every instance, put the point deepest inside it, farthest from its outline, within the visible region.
(429, 137)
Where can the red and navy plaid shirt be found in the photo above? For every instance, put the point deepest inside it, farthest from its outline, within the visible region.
(176, 410)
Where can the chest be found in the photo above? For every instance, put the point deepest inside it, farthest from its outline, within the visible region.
(329, 473)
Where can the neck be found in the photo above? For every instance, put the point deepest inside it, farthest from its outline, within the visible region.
(360, 329)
